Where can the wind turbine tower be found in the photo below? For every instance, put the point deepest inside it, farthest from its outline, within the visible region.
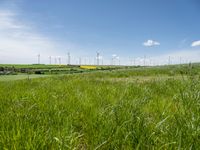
(144, 60)
(79, 60)
(117, 59)
(98, 54)
(69, 58)
(59, 59)
(55, 59)
(169, 60)
(38, 58)
(114, 56)
(50, 60)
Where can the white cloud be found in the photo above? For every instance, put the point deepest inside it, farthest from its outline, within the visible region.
(195, 43)
(114, 55)
(20, 43)
(7, 21)
(150, 43)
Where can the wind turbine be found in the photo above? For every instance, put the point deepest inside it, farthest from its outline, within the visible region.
(79, 60)
(89, 61)
(59, 59)
(113, 59)
(169, 60)
(38, 58)
(50, 60)
(98, 54)
(55, 60)
(117, 58)
(144, 60)
(69, 58)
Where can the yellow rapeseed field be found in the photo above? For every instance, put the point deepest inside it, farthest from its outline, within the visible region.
(88, 67)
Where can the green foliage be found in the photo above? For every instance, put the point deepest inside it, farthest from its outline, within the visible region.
(102, 110)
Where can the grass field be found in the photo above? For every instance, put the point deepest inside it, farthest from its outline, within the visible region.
(20, 77)
(38, 66)
(135, 108)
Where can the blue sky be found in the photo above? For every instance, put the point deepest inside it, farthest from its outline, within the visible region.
(124, 28)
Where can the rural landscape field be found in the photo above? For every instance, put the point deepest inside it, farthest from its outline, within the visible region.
(124, 108)
(99, 75)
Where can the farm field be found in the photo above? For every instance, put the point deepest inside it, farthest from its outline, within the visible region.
(42, 69)
(20, 77)
(126, 108)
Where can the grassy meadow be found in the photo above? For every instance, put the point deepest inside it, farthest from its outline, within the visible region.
(129, 108)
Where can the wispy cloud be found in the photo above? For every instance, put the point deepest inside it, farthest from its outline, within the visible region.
(195, 43)
(7, 21)
(150, 43)
(20, 43)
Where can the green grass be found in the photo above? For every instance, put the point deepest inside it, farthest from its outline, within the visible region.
(102, 110)
(32, 66)
(15, 69)
(20, 77)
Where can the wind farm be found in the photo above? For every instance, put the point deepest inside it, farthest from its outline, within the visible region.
(99, 75)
